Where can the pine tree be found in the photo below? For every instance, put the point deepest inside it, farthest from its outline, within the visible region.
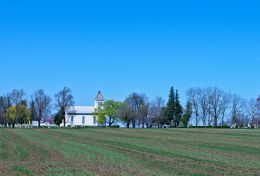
(170, 109)
(187, 115)
(33, 111)
(58, 118)
(2, 110)
(178, 110)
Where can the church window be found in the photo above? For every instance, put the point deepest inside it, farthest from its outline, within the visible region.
(72, 120)
(83, 120)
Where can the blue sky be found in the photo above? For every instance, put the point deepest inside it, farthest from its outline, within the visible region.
(124, 46)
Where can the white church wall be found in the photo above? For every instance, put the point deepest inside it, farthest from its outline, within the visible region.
(89, 120)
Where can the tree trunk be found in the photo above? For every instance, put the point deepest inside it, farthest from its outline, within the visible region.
(215, 121)
(139, 123)
(196, 119)
(252, 122)
(5, 123)
(127, 122)
(64, 119)
(222, 120)
(13, 125)
(39, 119)
(204, 120)
(215, 118)
(133, 123)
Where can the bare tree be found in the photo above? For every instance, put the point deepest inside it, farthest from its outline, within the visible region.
(224, 105)
(16, 97)
(210, 118)
(193, 95)
(237, 105)
(243, 120)
(211, 104)
(2, 114)
(156, 112)
(257, 119)
(251, 110)
(204, 104)
(41, 105)
(215, 102)
(64, 99)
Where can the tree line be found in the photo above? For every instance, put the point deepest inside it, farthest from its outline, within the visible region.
(209, 106)
(137, 111)
(15, 108)
(215, 107)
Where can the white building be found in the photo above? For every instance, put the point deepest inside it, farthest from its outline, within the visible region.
(83, 115)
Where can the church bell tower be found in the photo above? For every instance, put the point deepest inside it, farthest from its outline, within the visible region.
(99, 100)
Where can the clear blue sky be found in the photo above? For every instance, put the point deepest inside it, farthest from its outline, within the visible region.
(129, 45)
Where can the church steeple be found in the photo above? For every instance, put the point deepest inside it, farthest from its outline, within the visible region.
(99, 100)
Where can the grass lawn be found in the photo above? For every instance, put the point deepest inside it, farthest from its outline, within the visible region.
(129, 152)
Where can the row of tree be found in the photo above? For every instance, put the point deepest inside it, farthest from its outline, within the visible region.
(137, 111)
(215, 107)
(16, 109)
(208, 106)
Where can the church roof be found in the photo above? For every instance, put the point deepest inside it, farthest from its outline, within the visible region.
(99, 97)
(81, 109)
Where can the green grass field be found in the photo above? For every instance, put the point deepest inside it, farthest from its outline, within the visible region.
(129, 152)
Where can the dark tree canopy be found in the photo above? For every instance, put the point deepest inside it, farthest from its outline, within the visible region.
(170, 108)
(178, 110)
(187, 115)
(58, 118)
(174, 109)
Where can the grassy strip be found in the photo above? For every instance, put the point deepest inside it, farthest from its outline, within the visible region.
(130, 151)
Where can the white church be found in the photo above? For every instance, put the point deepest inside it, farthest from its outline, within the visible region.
(83, 115)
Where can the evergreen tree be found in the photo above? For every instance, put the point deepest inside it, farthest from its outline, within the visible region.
(170, 108)
(33, 111)
(178, 110)
(5, 103)
(2, 113)
(187, 115)
(58, 118)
